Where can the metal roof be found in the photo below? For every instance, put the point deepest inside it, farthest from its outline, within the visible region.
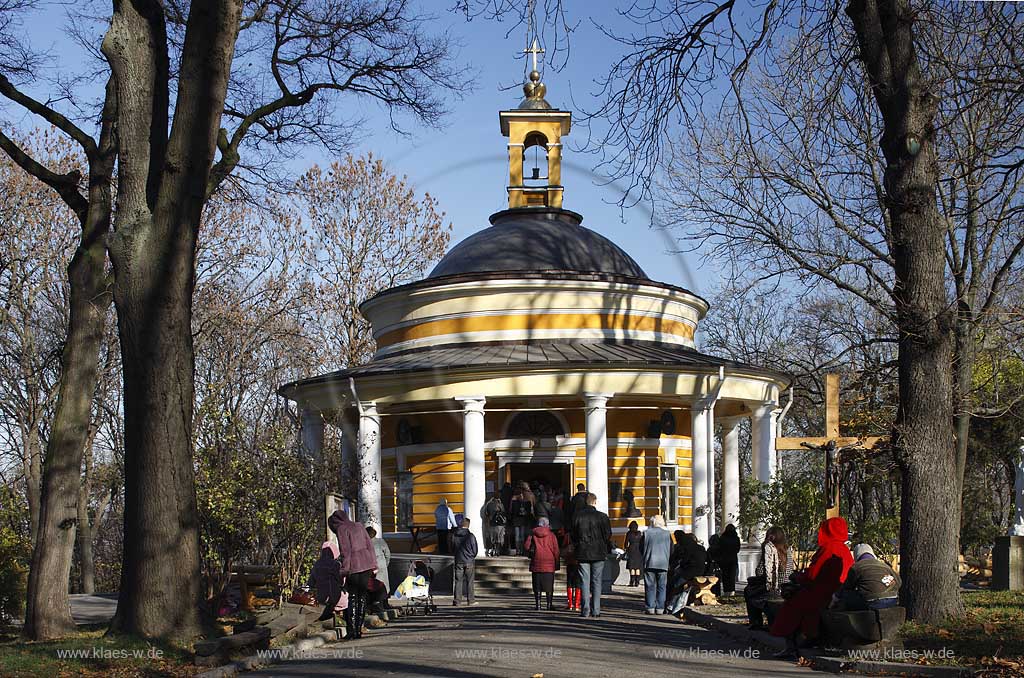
(522, 356)
(537, 239)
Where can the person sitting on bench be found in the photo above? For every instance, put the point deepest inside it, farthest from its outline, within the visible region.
(870, 585)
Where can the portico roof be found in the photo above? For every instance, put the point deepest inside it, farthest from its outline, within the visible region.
(520, 356)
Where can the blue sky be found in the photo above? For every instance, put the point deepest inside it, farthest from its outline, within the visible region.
(464, 164)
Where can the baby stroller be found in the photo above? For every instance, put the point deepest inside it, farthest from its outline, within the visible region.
(415, 589)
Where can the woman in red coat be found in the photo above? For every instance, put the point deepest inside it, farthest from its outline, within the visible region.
(819, 581)
(542, 547)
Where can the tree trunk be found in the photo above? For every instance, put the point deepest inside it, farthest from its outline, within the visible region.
(48, 612)
(965, 353)
(159, 594)
(33, 477)
(48, 609)
(86, 533)
(162, 183)
(923, 435)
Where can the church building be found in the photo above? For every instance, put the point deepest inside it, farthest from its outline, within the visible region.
(537, 349)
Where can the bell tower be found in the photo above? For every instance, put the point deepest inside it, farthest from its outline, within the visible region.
(535, 131)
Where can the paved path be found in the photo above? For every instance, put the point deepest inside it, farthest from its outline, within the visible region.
(501, 638)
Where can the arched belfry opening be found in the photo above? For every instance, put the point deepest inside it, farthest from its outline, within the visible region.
(536, 161)
(535, 130)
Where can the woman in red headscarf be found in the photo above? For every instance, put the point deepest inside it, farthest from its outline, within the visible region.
(819, 581)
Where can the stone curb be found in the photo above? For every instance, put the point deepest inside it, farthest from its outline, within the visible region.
(254, 662)
(821, 662)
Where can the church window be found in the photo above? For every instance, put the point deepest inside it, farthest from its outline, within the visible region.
(669, 493)
(535, 425)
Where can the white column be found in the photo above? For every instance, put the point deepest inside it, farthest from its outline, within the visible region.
(763, 441)
(349, 461)
(473, 463)
(699, 421)
(312, 425)
(730, 471)
(597, 446)
(368, 459)
(712, 518)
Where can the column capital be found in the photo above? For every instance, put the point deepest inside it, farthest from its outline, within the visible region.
(367, 408)
(471, 403)
(764, 409)
(596, 399)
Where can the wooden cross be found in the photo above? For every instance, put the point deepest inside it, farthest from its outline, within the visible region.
(832, 444)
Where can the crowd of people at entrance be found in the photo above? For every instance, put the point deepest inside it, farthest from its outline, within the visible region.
(350, 577)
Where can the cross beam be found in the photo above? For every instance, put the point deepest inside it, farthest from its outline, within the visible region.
(832, 444)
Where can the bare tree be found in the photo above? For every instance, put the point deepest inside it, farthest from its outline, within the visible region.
(367, 231)
(788, 178)
(193, 88)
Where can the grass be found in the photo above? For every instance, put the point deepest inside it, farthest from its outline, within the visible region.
(113, 656)
(992, 627)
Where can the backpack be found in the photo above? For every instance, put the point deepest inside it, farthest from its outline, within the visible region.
(499, 518)
(522, 509)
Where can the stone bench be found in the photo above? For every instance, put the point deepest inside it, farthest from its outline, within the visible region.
(860, 629)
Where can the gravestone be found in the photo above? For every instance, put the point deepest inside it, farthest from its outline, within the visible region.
(1008, 555)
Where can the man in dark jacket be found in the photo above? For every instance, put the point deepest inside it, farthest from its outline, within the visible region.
(870, 584)
(686, 562)
(465, 548)
(578, 501)
(592, 540)
(728, 558)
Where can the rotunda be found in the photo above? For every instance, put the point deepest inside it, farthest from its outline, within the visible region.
(539, 350)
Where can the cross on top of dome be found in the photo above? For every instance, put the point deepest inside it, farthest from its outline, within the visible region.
(534, 89)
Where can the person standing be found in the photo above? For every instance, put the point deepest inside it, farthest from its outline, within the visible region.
(444, 522)
(656, 547)
(358, 562)
(578, 501)
(573, 583)
(592, 540)
(383, 553)
(522, 519)
(542, 547)
(728, 558)
(494, 517)
(464, 547)
(634, 557)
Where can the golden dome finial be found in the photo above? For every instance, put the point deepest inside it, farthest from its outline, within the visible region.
(534, 89)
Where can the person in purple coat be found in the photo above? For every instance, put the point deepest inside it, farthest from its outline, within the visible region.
(358, 563)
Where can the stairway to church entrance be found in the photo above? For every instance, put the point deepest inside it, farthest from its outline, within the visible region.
(510, 575)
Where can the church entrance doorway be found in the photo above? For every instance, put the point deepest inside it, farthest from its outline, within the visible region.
(558, 476)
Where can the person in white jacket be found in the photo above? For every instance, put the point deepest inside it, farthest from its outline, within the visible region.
(444, 521)
(383, 553)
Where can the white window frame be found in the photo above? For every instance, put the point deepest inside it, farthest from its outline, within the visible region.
(668, 488)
